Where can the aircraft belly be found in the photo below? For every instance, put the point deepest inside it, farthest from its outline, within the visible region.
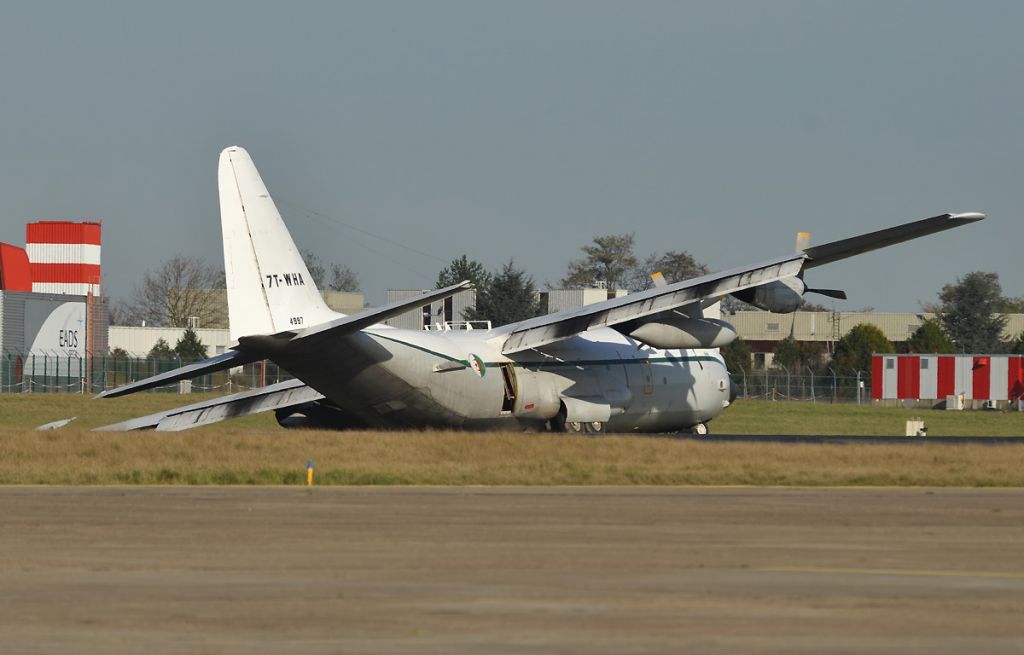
(390, 384)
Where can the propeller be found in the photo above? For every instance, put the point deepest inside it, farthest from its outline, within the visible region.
(838, 294)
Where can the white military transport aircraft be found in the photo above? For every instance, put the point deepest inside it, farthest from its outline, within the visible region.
(643, 362)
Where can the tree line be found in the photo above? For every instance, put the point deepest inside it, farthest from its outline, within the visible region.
(970, 312)
(184, 287)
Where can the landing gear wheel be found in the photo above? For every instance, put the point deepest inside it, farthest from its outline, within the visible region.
(559, 424)
(700, 428)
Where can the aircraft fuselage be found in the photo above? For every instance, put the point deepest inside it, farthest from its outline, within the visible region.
(460, 379)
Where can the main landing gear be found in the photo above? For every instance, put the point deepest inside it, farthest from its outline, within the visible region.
(585, 427)
(559, 424)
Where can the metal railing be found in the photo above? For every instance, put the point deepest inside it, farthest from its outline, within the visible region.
(448, 326)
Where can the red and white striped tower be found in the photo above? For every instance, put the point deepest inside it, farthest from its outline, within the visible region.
(64, 257)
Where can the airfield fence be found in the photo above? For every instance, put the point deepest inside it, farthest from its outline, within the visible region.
(42, 372)
(780, 383)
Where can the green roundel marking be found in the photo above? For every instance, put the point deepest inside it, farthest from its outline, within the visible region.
(477, 365)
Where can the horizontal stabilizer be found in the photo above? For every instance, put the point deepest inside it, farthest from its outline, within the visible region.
(55, 425)
(832, 252)
(230, 359)
(264, 399)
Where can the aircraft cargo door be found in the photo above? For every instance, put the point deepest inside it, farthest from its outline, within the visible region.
(508, 378)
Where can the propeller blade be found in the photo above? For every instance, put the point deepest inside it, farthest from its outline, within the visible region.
(838, 294)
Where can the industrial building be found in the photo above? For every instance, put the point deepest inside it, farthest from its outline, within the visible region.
(51, 310)
(138, 340)
(438, 315)
(449, 313)
(764, 330)
(556, 300)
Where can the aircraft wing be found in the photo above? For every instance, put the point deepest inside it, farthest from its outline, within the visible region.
(831, 252)
(265, 399)
(543, 330)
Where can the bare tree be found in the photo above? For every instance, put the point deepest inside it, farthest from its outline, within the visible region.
(119, 312)
(180, 288)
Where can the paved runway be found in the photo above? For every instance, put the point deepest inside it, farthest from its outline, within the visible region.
(535, 570)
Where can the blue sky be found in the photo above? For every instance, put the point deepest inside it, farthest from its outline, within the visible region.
(522, 130)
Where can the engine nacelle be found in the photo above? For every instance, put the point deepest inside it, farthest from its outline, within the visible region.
(782, 296)
(681, 332)
(538, 397)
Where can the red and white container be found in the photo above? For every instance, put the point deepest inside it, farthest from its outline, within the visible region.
(934, 377)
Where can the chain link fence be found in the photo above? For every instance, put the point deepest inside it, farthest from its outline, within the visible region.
(57, 372)
(41, 372)
(780, 383)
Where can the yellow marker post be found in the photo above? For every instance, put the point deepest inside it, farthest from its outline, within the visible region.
(309, 473)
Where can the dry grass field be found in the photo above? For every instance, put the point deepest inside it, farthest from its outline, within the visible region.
(743, 417)
(255, 450)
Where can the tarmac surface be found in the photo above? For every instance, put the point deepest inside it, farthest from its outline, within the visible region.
(510, 570)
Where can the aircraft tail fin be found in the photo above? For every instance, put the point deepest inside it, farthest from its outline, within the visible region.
(269, 287)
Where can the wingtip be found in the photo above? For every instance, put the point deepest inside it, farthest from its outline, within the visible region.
(968, 216)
